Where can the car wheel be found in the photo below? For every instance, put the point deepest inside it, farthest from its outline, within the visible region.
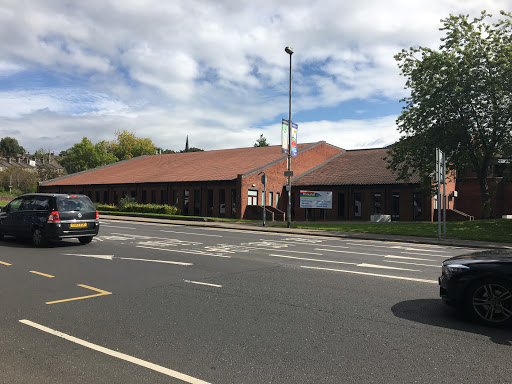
(38, 239)
(490, 302)
(85, 240)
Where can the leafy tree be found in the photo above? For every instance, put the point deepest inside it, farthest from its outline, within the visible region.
(192, 149)
(85, 155)
(460, 101)
(127, 145)
(9, 146)
(22, 180)
(47, 172)
(261, 142)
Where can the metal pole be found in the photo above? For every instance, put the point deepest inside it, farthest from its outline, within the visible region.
(438, 176)
(289, 50)
(444, 195)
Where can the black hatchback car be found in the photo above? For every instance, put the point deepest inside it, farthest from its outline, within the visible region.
(481, 284)
(43, 217)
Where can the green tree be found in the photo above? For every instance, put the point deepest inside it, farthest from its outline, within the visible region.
(22, 180)
(9, 146)
(85, 155)
(261, 142)
(460, 101)
(192, 149)
(127, 145)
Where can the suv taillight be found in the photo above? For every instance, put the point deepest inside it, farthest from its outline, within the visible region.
(54, 217)
(97, 216)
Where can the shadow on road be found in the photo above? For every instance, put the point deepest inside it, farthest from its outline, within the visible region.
(13, 242)
(434, 312)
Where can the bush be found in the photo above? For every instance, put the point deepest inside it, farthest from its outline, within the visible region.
(127, 200)
(106, 207)
(151, 208)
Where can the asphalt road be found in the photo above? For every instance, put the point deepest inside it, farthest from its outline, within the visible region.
(150, 303)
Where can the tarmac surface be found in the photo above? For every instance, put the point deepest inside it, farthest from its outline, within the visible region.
(314, 232)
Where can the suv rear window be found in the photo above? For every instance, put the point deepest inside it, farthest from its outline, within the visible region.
(75, 203)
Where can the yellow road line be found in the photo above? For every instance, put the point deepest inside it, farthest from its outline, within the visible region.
(42, 274)
(4, 263)
(101, 293)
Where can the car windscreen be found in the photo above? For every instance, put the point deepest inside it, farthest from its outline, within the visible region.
(75, 203)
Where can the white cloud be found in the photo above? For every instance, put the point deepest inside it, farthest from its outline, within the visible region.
(216, 71)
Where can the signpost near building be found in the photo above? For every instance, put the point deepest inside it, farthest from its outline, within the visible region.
(315, 199)
(264, 182)
(441, 197)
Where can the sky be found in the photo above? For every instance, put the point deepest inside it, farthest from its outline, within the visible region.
(215, 71)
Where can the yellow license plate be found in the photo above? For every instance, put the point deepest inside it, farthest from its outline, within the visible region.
(78, 225)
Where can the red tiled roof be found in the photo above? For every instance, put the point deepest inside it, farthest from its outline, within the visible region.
(224, 164)
(355, 167)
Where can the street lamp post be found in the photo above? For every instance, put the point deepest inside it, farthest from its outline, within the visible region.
(289, 50)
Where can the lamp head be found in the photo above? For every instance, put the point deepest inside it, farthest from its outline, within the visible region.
(289, 50)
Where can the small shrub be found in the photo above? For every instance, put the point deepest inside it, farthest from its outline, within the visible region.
(152, 208)
(106, 207)
(127, 200)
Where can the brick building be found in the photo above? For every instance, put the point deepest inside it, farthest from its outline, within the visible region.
(211, 183)
(362, 186)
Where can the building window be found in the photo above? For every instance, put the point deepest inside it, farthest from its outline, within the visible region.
(222, 202)
(105, 197)
(395, 206)
(417, 206)
(377, 203)
(341, 205)
(97, 196)
(163, 196)
(209, 202)
(278, 195)
(186, 195)
(357, 204)
(270, 198)
(252, 197)
(153, 197)
(144, 197)
(233, 203)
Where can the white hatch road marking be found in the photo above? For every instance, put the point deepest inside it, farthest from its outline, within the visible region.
(118, 355)
(191, 233)
(402, 247)
(184, 251)
(364, 265)
(111, 257)
(200, 283)
(373, 274)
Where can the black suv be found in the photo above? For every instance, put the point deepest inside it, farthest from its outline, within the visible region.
(43, 217)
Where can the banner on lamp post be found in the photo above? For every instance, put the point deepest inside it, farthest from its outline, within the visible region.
(284, 136)
(294, 139)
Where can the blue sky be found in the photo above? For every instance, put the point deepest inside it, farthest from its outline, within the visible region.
(213, 70)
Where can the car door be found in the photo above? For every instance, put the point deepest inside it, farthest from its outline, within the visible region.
(10, 218)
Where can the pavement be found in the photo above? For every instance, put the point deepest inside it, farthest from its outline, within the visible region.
(314, 232)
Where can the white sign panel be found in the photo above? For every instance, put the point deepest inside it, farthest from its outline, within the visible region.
(316, 199)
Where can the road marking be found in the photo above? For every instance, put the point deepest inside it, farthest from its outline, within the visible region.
(353, 252)
(183, 251)
(363, 265)
(111, 257)
(116, 226)
(405, 262)
(105, 257)
(118, 355)
(190, 233)
(42, 274)
(4, 263)
(409, 258)
(374, 274)
(101, 293)
(155, 261)
(199, 283)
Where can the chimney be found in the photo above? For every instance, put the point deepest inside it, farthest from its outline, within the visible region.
(18, 159)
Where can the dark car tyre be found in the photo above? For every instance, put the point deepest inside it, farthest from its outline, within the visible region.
(38, 240)
(490, 302)
(85, 240)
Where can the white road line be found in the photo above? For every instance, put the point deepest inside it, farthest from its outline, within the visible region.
(183, 251)
(190, 233)
(200, 283)
(373, 274)
(401, 247)
(353, 252)
(422, 254)
(116, 226)
(118, 355)
(409, 258)
(364, 265)
(105, 257)
(155, 261)
(405, 262)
